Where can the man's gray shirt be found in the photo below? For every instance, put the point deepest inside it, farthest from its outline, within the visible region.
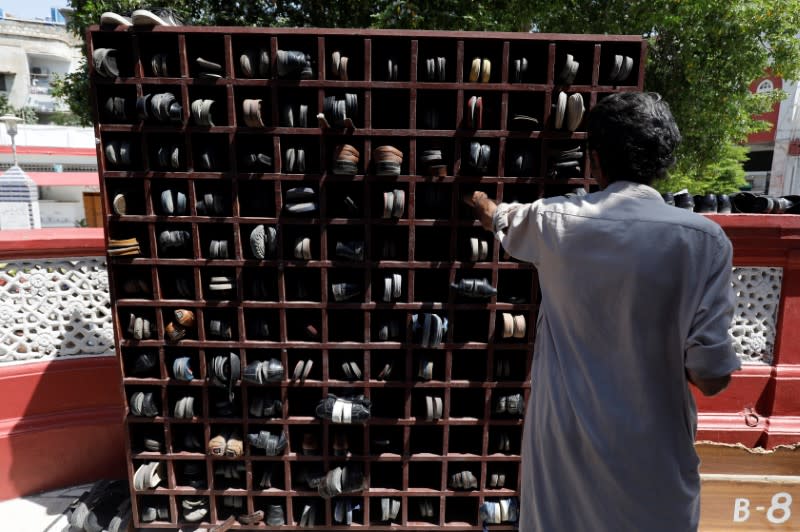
(634, 293)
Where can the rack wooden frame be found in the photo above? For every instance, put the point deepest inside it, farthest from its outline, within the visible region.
(425, 268)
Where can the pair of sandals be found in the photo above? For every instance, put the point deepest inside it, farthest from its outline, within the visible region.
(266, 407)
(345, 291)
(224, 371)
(352, 250)
(251, 111)
(118, 153)
(344, 410)
(435, 68)
(229, 445)
(123, 247)
(106, 506)
(174, 240)
(194, 510)
(747, 202)
(339, 66)
(302, 370)
(339, 481)
(173, 203)
(105, 62)
(345, 159)
(294, 64)
(178, 329)
(143, 404)
(387, 160)
(569, 111)
(464, 480)
(255, 64)
(496, 512)
(162, 107)
(390, 508)
(339, 112)
(474, 288)
(432, 160)
(201, 112)
(148, 476)
(263, 371)
(479, 156)
(480, 71)
(474, 116)
(429, 329)
(184, 408)
(392, 287)
(434, 409)
(394, 203)
(140, 328)
(565, 162)
(263, 242)
(301, 200)
(514, 326)
(510, 404)
(273, 444)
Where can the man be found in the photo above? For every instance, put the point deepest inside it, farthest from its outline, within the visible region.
(636, 304)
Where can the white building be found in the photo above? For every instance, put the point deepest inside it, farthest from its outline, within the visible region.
(774, 165)
(785, 172)
(32, 53)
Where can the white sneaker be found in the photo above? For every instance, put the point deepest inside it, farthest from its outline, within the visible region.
(156, 17)
(113, 19)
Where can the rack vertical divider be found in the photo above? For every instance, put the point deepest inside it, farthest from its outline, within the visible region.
(428, 241)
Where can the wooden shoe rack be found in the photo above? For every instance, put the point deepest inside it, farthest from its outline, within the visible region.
(403, 456)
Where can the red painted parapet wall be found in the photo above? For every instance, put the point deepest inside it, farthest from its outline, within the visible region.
(61, 420)
(761, 407)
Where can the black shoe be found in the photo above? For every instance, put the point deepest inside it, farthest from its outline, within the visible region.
(723, 204)
(706, 203)
(684, 201)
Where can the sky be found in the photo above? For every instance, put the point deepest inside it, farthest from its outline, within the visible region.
(31, 9)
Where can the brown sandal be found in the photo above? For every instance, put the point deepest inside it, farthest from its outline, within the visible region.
(235, 447)
(217, 445)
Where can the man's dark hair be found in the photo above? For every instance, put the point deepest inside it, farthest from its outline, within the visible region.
(634, 135)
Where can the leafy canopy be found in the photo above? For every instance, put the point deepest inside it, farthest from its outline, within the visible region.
(703, 54)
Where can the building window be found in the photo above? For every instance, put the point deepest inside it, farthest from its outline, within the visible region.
(765, 86)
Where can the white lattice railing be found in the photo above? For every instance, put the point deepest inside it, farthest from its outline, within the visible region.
(758, 296)
(61, 307)
(54, 307)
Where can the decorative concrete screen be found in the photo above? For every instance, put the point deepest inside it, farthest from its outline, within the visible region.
(54, 307)
(758, 295)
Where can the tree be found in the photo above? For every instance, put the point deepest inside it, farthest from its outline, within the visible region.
(27, 114)
(703, 55)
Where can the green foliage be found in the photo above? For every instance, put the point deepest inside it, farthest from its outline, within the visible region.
(703, 56)
(27, 114)
(511, 15)
(726, 175)
(74, 90)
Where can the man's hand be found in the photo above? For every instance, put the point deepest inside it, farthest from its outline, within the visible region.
(483, 206)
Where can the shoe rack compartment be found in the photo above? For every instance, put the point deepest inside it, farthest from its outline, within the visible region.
(286, 263)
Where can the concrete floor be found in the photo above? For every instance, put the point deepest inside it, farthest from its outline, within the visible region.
(45, 512)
